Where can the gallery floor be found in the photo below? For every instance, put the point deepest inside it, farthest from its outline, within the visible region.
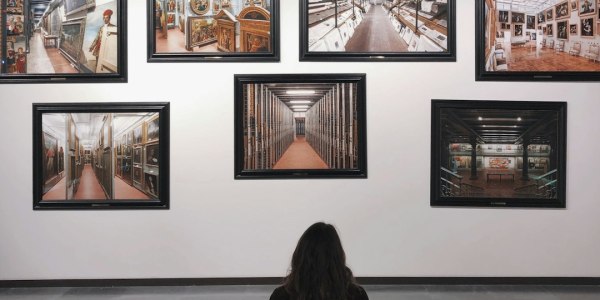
(375, 292)
(376, 33)
(300, 155)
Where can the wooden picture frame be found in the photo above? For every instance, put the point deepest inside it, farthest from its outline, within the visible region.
(256, 22)
(300, 151)
(517, 17)
(322, 40)
(494, 63)
(587, 7)
(104, 166)
(562, 30)
(587, 27)
(498, 153)
(93, 57)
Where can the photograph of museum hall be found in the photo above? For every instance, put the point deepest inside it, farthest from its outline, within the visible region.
(300, 126)
(61, 37)
(542, 36)
(498, 153)
(217, 26)
(382, 26)
(100, 156)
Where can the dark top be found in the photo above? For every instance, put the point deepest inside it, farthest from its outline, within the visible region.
(355, 293)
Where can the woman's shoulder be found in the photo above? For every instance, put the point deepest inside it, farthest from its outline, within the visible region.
(357, 292)
(280, 294)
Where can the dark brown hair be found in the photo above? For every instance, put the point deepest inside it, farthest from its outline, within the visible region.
(318, 270)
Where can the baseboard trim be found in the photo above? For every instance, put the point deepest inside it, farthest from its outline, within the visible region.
(279, 280)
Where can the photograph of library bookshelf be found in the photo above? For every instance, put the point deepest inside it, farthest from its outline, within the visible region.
(300, 126)
(218, 26)
(381, 26)
(499, 153)
(61, 37)
(100, 156)
(546, 36)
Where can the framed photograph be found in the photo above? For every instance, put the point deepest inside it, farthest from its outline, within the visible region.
(498, 153)
(587, 27)
(214, 31)
(541, 18)
(152, 154)
(517, 17)
(90, 36)
(413, 31)
(530, 22)
(573, 29)
(562, 30)
(587, 7)
(152, 130)
(322, 131)
(562, 10)
(521, 59)
(90, 174)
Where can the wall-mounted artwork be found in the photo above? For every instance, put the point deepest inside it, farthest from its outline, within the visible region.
(562, 30)
(83, 157)
(503, 16)
(214, 31)
(406, 31)
(69, 41)
(562, 10)
(550, 14)
(321, 131)
(530, 22)
(517, 17)
(498, 153)
(587, 7)
(520, 57)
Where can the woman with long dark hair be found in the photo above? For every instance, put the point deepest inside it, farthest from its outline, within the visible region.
(318, 270)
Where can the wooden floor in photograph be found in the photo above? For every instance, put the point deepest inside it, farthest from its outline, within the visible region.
(89, 186)
(548, 60)
(300, 155)
(376, 33)
(496, 185)
(175, 43)
(57, 192)
(125, 191)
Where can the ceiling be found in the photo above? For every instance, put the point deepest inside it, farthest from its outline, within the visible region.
(38, 7)
(281, 91)
(531, 6)
(499, 126)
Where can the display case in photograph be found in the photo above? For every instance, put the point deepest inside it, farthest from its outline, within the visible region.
(101, 171)
(361, 30)
(300, 126)
(64, 41)
(556, 53)
(213, 31)
(499, 136)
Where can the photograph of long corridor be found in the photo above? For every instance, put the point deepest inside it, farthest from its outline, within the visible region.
(301, 126)
(377, 26)
(100, 156)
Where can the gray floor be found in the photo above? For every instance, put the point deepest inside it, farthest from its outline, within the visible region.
(376, 292)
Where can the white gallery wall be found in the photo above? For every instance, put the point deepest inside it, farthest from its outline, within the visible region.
(221, 227)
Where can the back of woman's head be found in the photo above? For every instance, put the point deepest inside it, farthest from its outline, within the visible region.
(318, 269)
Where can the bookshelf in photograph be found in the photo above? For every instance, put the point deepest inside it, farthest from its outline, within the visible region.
(300, 126)
(86, 155)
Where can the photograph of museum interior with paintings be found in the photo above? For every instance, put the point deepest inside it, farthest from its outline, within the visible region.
(100, 156)
(382, 26)
(542, 36)
(212, 26)
(61, 37)
(300, 126)
(499, 153)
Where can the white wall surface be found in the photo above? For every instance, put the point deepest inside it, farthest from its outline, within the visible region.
(220, 227)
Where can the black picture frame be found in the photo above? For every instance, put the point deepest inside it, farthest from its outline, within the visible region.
(349, 89)
(442, 56)
(268, 56)
(458, 125)
(86, 75)
(102, 157)
(485, 57)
